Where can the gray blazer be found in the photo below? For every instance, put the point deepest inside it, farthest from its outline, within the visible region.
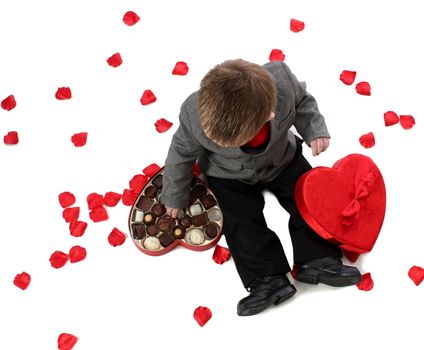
(189, 143)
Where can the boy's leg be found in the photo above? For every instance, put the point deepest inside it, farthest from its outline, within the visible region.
(256, 250)
(307, 244)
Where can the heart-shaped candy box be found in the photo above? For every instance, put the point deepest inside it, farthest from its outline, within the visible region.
(197, 227)
(344, 204)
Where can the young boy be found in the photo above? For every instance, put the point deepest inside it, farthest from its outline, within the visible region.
(237, 127)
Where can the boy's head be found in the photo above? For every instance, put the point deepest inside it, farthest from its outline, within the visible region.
(236, 99)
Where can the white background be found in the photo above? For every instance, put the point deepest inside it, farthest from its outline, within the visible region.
(119, 298)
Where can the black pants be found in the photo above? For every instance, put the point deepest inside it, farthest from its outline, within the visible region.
(256, 249)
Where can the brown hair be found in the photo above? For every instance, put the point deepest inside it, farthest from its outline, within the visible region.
(236, 97)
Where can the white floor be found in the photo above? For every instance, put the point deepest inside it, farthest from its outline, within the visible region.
(120, 298)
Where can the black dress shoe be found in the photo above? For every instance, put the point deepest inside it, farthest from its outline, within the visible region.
(265, 291)
(328, 270)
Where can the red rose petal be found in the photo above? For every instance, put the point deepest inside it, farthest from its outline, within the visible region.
(130, 18)
(407, 121)
(296, 26)
(180, 68)
(58, 259)
(94, 200)
(71, 214)
(63, 93)
(293, 271)
(77, 253)
(8, 103)
(148, 97)
(116, 237)
(79, 139)
(366, 283)
(115, 60)
(390, 118)
(138, 182)
(22, 280)
(111, 199)
(66, 199)
(98, 214)
(195, 170)
(66, 341)
(367, 140)
(202, 315)
(129, 197)
(151, 170)
(11, 138)
(350, 255)
(416, 274)
(276, 55)
(348, 77)
(162, 125)
(77, 228)
(221, 254)
(363, 88)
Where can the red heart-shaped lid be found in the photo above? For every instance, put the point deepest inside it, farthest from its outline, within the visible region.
(344, 204)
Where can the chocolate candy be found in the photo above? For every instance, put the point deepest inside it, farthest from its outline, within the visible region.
(179, 232)
(137, 215)
(195, 209)
(185, 221)
(214, 214)
(166, 239)
(151, 191)
(157, 181)
(144, 203)
(158, 209)
(138, 231)
(200, 219)
(166, 223)
(195, 236)
(151, 243)
(149, 218)
(212, 230)
(152, 230)
(199, 191)
(208, 201)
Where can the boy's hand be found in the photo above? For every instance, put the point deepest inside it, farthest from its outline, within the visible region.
(172, 211)
(319, 145)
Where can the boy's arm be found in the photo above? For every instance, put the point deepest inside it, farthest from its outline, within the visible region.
(177, 174)
(309, 121)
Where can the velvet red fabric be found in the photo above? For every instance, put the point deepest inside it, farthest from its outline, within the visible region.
(261, 137)
(344, 204)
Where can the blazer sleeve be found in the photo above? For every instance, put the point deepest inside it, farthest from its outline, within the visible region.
(177, 174)
(309, 122)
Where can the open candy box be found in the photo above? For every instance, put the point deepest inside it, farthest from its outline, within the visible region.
(197, 227)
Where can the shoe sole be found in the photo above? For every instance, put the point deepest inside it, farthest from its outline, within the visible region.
(315, 277)
(277, 298)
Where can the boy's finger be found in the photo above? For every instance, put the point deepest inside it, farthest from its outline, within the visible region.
(314, 147)
(320, 146)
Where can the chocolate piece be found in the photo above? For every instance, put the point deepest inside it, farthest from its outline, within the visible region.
(212, 230)
(151, 243)
(195, 236)
(144, 203)
(195, 209)
(137, 215)
(138, 231)
(166, 239)
(200, 220)
(179, 232)
(152, 230)
(149, 218)
(214, 214)
(185, 221)
(180, 213)
(151, 191)
(166, 223)
(199, 191)
(158, 209)
(158, 181)
(208, 201)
